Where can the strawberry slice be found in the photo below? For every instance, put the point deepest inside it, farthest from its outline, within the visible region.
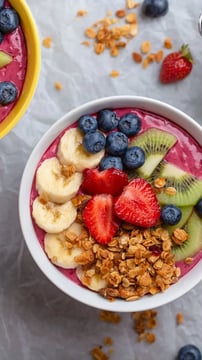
(109, 181)
(98, 216)
(138, 204)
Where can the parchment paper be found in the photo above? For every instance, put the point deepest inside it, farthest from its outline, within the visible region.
(37, 321)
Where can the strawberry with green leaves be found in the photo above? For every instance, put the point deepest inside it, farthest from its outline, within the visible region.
(176, 66)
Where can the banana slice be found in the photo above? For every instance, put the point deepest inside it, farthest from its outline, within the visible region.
(53, 218)
(58, 253)
(95, 282)
(51, 181)
(71, 151)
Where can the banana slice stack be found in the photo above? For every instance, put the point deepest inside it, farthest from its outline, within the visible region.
(53, 210)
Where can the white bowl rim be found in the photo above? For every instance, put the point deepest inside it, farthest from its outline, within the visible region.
(66, 285)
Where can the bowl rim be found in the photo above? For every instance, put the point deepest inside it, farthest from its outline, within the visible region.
(32, 40)
(77, 292)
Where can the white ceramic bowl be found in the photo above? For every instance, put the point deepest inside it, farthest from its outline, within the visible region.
(77, 292)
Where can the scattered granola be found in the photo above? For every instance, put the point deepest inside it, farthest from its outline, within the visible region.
(109, 316)
(179, 318)
(58, 85)
(137, 57)
(168, 43)
(145, 47)
(144, 321)
(47, 42)
(120, 13)
(179, 236)
(108, 341)
(98, 354)
(82, 12)
(188, 260)
(114, 73)
(86, 43)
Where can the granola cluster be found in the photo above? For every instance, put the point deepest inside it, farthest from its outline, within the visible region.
(134, 263)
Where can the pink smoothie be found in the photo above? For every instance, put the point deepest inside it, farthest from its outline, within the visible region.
(186, 153)
(13, 44)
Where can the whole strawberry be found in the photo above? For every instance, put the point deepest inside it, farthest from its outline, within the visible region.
(176, 66)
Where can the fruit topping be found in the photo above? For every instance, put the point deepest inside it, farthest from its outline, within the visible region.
(155, 8)
(189, 352)
(8, 92)
(170, 214)
(9, 20)
(72, 152)
(138, 204)
(5, 59)
(107, 120)
(155, 144)
(109, 181)
(94, 142)
(108, 162)
(186, 212)
(186, 188)
(98, 216)
(176, 66)
(116, 143)
(193, 243)
(129, 124)
(198, 208)
(87, 123)
(58, 185)
(134, 157)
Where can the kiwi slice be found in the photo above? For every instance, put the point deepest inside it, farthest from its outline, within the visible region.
(5, 59)
(188, 187)
(155, 143)
(194, 242)
(186, 213)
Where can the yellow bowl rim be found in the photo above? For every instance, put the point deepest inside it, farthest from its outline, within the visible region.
(33, 66)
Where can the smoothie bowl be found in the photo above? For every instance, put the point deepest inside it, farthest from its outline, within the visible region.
(19, 61)
(110, 203)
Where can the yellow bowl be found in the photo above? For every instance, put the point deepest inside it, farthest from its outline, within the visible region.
(33, 66)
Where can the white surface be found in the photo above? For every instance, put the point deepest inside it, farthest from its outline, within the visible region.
(37, 321)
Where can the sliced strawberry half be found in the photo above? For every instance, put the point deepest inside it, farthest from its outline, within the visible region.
(109, 181)
(98, 216)
(138, 204)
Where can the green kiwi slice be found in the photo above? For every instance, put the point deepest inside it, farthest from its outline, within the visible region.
(188, 187)
(186, 213)
(155, 143)
(194, 243)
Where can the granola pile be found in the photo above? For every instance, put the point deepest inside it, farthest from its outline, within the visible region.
(134, 263)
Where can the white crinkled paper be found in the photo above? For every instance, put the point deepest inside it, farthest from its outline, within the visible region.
(37, 321)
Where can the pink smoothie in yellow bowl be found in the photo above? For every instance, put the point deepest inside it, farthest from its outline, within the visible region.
(19, 61)
(117, 232)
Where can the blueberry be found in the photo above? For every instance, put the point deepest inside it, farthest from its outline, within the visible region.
(129, 124)
(189, 352)
(87, 123)
(116, 143)
(2, 3)
(93, 142)
(8, 92)
(9, 20)
(107, 120)
(134, 157)
(198, 208)
(108, 162)
(155, 8)
(170, 214)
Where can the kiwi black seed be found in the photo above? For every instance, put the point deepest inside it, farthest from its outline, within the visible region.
(194, 242)
(186, 213)
(188, 187)
(155, 143)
